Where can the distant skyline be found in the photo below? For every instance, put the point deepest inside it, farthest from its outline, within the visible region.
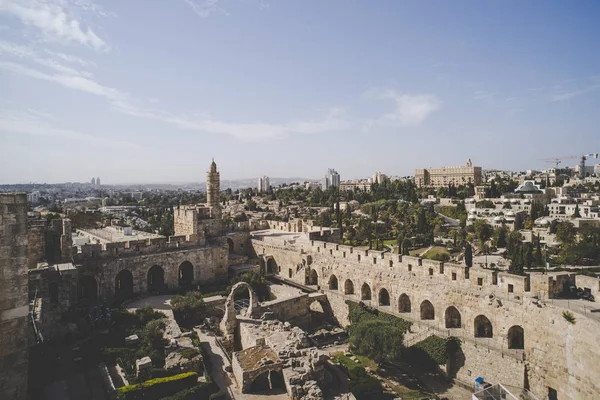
(148, 92)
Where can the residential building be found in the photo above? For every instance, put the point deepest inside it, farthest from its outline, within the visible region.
(93, 181)
(98, 181)
(263, 184)
(33, 197)
(442, 177)
(332, 179)
(362, 185)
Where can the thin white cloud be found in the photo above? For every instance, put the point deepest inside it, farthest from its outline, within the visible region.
(55, 19)
(204, 8)
(575, 93)
(35, 123)
(483, 95)
(335, 120)
(22, 52)
(410, 109)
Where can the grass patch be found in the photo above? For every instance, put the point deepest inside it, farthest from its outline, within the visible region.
(417, 252)
(411, 394)
(349, 363)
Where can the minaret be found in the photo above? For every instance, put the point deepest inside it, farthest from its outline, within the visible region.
(213, 186)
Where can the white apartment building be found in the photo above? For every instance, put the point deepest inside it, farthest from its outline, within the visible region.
(33, 197)
(263, 184)
(332, 179)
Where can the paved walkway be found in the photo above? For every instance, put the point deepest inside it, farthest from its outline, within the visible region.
(219, 361)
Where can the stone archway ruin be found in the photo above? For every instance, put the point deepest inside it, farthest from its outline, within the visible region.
(229, 321)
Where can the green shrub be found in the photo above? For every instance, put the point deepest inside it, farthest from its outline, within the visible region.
(569, 316)
(189, 310)
(358, 313)
(158, 388)
(377, 339)
(431, 352)
(363, 385)
(147, 314)
(190, 353)
(202, 391)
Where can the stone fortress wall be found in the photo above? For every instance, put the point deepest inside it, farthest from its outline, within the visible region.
(556, 353)
(14, 301)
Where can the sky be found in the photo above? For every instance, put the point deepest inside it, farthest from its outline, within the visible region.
(139, 91)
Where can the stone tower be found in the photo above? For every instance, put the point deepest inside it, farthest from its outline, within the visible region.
(213, 186)
(14, 300)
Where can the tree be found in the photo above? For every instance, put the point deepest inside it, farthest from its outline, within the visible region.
(189, 310)
(528, 255)
(379, 340)
(483, 230)
(566, 233)
(468, 255)
(501, 237)
(538, 252)
(516, 265)
(576, 214)
(406, 246)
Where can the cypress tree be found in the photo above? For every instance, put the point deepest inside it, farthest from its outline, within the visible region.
(538, 253)
(468, 255)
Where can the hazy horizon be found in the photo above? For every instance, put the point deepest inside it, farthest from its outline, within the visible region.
(142, 91)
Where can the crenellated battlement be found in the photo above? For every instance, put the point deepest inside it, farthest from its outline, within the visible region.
(136, 247)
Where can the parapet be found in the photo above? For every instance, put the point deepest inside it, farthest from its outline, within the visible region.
(136, 247)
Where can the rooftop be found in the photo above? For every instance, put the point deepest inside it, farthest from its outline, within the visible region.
(114, 234)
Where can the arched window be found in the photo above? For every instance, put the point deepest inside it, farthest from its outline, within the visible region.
(516, 337)
(156, 279)
(427, 310)
(404, 303)
(348, 287)
(333, 282)
(124, 284)
(483, 327)
(384, 297)
(452, 317)
(365, 292)
(186, 274)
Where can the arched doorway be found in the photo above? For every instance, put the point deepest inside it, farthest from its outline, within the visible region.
(348, 287)
(365, 292)
(483, 327)
(452, 317)
(516, 337)
(271, 266)
(333, 282)
(384, 297)
(230, 245)
(313, 278)
(267, 381)
(87, 288)
(427, 310)
(124, 284)
(186, 274)
(156, 279)
(404, 303)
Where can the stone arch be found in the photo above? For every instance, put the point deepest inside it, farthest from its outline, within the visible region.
(185, 274)
(404, 303)
(483, 327)
(271, 266)
(230, 245)
(516, 337)
(365, 292)
(427, 310)
(384, 297)
(333, 282)
(124, 284)
(229, 322)
(156, 279)
(348, 287)
(267, 381)
(452, 317)
(313, 277)
(87, 288)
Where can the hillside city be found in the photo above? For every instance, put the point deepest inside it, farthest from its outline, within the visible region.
(181, 293)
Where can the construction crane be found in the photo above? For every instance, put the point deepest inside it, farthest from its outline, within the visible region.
(557, 160)
(582, 163)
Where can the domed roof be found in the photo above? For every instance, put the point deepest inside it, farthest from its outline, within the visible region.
(528, 187)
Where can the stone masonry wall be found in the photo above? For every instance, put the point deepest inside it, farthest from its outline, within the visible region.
(557, 354)
(14, 302)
